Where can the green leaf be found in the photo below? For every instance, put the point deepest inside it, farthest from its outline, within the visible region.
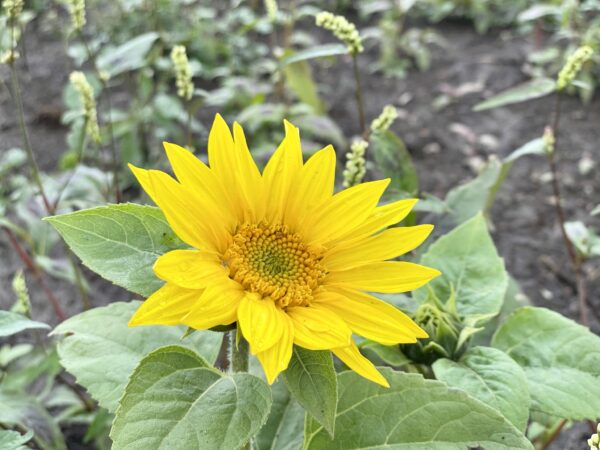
(119, 242)
(493, 377)
(311, 379)
(413, 413)
(536, 88)
(300, 80)
(129, 56)
(387, 354)
(470, 266)
(318, 51)
(13, 440)
(173, 400)
(394, 161)
(13, 323)
(101, 351)
(468, 199)
(284, 429)
(561, 360)
(20, 410)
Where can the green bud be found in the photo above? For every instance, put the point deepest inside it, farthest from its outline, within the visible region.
(23, 303)
(385, 119)
(355, 163)
(344, 30)
(86, 97)
(183, 72)
(573, 66)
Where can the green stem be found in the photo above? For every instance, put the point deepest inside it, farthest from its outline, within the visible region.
(189, 125)
(359, 97)
(239, 353)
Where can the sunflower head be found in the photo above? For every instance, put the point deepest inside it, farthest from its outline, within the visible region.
(279, 253)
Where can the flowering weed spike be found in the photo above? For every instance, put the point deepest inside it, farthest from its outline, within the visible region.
(272, 9)
(385, 119)
(594, 440)
(275, 256)
(76, 10)
(342, 29)
(23, 304)
(355, 163)
(86, 96)
(573, 66)
(13, 8)
(183, 72)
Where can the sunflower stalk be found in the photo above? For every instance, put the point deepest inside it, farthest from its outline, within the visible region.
(239, 352)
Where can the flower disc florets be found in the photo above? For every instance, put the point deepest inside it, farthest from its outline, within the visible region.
(273, 262)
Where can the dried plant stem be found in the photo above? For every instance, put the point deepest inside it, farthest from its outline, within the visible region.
(574, 257)
(37, 273)
(359, 97)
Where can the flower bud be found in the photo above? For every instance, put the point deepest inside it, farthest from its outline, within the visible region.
(342, 29)
(355, 163)
(385, 119)
(573, 66)
(183, 72)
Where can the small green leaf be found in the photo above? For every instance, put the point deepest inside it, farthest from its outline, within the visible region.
(413, 413)
(284, 429)
(119, 242)
(129, 56)
(25, 412)
(173, 400)
(300, 80)
(561, 360)
(318, 51)
(491, 376)
(13, 440)
(394, 161)
(387, 354)
(470, 265)
(311, 379)
(101, 351)
(13, 323)
(538, 87)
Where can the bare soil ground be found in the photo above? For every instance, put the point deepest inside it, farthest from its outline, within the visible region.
(446, 144)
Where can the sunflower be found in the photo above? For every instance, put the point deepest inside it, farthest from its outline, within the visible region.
(279, 253)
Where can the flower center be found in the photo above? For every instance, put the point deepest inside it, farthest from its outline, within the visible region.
(273, 262)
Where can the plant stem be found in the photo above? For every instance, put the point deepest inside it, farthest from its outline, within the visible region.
(554, 435)
(574, 257)
(113, 146)
(189, 125)
(35, 172)
(239, 353)
(239, 361)
(33, 268)
(359, 97)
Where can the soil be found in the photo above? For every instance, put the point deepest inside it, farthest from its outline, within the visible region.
(447, 145)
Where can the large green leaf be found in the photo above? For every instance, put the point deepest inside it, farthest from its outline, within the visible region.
(13, 323)
(394, 161)
(119, 242)
(173, 400)
(489, 375)
(470, 266)
(129, 56)
(101, 351)
(284, 429)
(535, 88)
(561, 360)
(311, 379)
(413, 413)
(20, 410)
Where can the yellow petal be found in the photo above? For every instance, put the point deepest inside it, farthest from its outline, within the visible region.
(382, 217)
(276, 359)
(217, 306)
(345, 211)
(251, 185)
(280, 173)
(361, 365)
(260, 322)
(385, 245)
(188, 218)
(317, 328)
(384, 277)
(166, 306)
(221, 150)
(371, 317)
(195, 175)
(314, 186)
(191, 269)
